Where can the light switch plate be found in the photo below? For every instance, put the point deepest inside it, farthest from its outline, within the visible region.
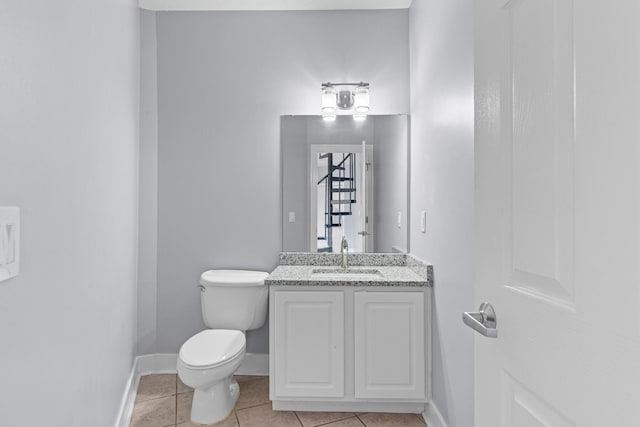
(9, 242)
(292, 217)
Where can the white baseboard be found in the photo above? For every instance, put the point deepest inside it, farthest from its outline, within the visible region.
(252, 364)
(348, 406)
(432, 416)
(164, 363)
(128, 399)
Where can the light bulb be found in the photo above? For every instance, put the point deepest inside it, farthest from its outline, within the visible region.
(361, 99)
(328, 99)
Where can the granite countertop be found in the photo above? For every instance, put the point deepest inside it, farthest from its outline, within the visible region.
(393, 271)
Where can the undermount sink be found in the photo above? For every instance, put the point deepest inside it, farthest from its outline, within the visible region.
(346, 273)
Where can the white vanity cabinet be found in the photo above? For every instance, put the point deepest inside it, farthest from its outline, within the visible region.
(348, 348)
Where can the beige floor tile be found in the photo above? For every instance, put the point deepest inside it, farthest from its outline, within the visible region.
(253, 393)
(181, 387)
(245, 378)
(349, 422)
(391, 420)
(183, 407)
(183, 416)
(155, 386)
(155, 413)
(263, 416)
(312, 419)
(231, 421)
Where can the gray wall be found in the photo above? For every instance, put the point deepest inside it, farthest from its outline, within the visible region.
(224, 80)
(68, 158)
(442, 185)
(148, 182)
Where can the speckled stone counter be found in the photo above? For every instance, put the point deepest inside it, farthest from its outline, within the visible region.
(322, 269)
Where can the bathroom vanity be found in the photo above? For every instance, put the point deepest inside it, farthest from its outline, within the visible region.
(350, 339)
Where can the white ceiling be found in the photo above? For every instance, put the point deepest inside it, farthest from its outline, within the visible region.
(262, 5)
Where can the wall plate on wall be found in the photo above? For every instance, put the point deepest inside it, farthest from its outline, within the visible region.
(9, 242)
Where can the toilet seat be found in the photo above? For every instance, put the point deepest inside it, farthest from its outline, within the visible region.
(212, 347)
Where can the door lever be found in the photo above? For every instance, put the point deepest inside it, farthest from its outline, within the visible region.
(482, 321)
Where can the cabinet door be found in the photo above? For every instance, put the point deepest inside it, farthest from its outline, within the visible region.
(309, 344)
(389, 345)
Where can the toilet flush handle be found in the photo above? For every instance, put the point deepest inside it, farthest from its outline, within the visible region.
(202, 288)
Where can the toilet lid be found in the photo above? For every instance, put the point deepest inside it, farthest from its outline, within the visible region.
(237, 278)
(212, 346)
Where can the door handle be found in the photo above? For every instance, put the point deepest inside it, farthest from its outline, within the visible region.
(482, 321)
(364, 233)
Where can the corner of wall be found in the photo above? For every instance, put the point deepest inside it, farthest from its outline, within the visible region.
(441, 39)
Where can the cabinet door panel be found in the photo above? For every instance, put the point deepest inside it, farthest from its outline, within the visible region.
(389, 345)
(309, 344)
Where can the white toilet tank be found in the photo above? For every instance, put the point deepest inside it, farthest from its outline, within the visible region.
(234, 299)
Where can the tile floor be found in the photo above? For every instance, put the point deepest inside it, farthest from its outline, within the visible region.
(164, 401)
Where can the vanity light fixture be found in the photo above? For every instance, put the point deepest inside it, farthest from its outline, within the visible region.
(345, 99)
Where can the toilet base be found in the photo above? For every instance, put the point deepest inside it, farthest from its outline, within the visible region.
(215, 403)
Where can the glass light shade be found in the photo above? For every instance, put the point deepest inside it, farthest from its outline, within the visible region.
(361, 99)
(328, 100)
(359, 117)
(328, 117)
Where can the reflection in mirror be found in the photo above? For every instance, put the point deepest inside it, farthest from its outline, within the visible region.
(344, 178)
(342, 181)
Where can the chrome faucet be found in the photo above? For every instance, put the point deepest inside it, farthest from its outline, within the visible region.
(344, 249)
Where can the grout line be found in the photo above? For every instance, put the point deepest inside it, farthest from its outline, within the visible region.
(298, 418)
(251, 381)
(337, 421)
(154, 398)
(254, 406)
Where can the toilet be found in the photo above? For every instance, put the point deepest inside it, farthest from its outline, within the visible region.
(233, 301)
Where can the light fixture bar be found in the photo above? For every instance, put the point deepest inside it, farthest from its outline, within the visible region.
(360, 84)
(345, 99)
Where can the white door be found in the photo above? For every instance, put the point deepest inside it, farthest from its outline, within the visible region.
(557, 207)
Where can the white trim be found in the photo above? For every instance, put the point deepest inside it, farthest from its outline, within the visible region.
(264, 5)
(432, 416)
(252, 364)
(128, 399)
(347, 406)
(164, 363)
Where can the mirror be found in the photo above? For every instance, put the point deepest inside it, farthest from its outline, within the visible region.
(345, 178)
